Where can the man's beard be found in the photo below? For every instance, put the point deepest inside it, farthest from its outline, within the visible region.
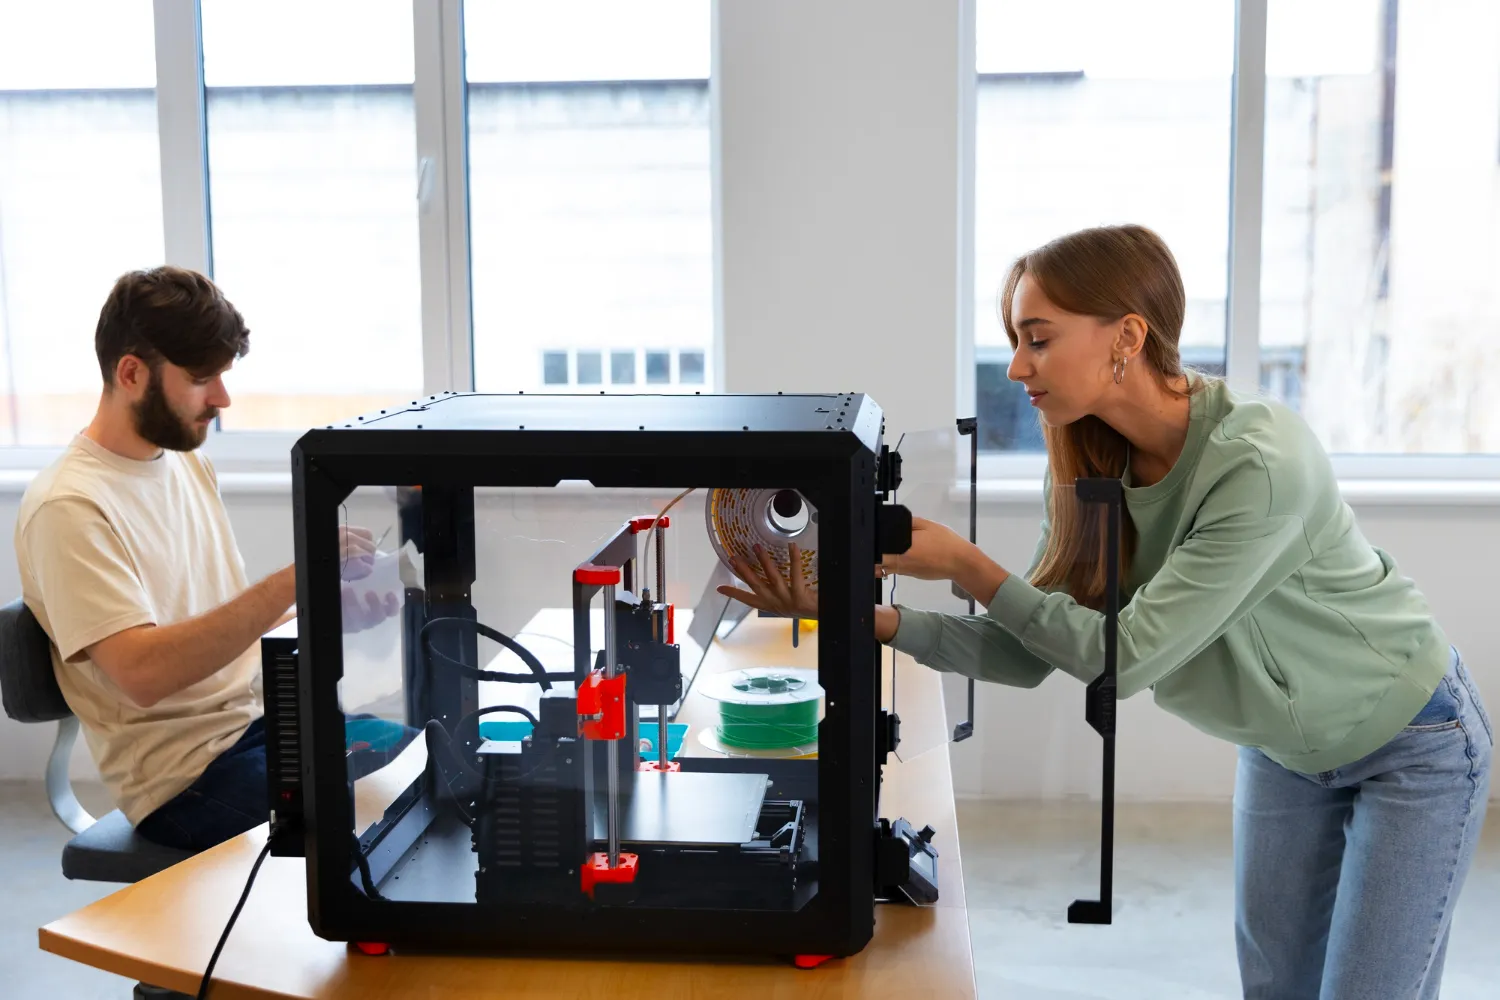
(159, 424)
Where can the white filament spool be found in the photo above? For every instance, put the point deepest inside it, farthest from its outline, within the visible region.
(740, 519)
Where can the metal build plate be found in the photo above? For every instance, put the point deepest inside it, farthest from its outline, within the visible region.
(687, 807)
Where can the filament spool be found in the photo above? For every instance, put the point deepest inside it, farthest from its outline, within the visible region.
(766, 709)
(740, 519)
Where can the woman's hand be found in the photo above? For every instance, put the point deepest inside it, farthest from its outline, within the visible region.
(939, 553)
(769, 591)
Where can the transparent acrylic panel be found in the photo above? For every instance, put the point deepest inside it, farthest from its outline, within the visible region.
(497, 779)
(930, 470)
(384, 754)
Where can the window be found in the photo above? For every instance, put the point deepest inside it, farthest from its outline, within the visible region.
(622, 367)
(555, 367)
(1127, 122)
(80, 198)
(658, 368)
(690, 367)
(313, 210)
(589, 183)
(590, 368)
(1380, 273)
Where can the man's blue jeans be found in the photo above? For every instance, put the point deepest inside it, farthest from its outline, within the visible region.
(1346, 881)
(231, 796)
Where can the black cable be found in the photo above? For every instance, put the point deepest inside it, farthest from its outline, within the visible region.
(437, 737)
(434, 729)
(494, 709)
(213, 960)
(365, 879)
(538, 675)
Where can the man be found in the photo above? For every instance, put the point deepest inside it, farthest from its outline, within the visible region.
(129, 562)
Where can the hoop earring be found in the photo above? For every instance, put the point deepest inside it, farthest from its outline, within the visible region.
(1120, 370)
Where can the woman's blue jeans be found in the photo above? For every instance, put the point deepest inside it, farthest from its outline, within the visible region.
(1346, 881)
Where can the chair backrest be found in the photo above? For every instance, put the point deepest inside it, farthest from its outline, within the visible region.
(27, 685)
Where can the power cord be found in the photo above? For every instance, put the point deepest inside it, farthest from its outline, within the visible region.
(208, 973)
(365, 880)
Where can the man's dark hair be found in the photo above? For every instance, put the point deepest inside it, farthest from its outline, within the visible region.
(171, 314)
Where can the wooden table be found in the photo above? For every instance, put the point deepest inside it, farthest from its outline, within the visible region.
(162, 930)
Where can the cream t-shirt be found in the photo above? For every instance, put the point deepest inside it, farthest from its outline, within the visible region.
(106, 543)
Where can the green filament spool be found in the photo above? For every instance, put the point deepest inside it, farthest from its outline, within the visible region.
(767, 708)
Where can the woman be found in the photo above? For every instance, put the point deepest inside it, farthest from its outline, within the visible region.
(1256, 611)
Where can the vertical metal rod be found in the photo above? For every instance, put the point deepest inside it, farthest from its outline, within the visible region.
(661, 597)
(612, 747)
(973, 535)
(1114, 512)
(661, 564)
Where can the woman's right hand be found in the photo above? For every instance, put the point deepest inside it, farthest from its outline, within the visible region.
(793, 598)
(769, 591)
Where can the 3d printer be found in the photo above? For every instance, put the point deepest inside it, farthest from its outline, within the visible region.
(530, 798)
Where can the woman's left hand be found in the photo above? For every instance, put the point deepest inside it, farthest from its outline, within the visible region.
(770, 591)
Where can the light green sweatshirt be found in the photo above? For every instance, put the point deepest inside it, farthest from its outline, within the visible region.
(1257, 610)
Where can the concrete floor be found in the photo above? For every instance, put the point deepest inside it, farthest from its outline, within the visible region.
(1172, 938)
(1173, 935)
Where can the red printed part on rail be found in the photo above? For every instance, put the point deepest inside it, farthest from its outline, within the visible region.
(640, 524)
(601, 707)
(596, 871)
(597, 576)
(671, 624)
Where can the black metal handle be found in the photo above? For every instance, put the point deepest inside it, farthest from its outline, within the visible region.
(1100, 697)
(969, 427)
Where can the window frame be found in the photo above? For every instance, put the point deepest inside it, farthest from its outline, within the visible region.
(441, 148)
(440, 96)
(1364, 472)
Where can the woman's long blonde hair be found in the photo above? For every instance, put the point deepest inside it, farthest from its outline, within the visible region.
(1108, 273)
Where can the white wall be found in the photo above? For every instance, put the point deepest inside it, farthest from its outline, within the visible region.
(841, 272)
(839, 157)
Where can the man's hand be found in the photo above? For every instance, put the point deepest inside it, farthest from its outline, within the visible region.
(364, 609)
(356, 552)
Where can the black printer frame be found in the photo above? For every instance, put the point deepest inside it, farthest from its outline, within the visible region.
(834, 465)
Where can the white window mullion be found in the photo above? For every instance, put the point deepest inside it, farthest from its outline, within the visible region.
(183, 135)
(1247, 147)
(968, 85)
(443, 195)
(713, 373)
